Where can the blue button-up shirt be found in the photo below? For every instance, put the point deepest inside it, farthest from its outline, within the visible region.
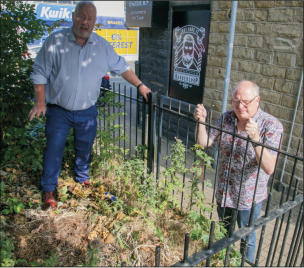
(73, 73)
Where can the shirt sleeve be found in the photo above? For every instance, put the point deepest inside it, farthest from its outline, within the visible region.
(116, 63)
(272, 134)
(43, 62)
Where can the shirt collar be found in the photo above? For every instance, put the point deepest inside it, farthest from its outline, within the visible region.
(257, 115)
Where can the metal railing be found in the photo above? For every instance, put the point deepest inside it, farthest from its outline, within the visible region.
(148, 123)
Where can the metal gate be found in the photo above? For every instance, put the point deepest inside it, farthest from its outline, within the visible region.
(280, 225)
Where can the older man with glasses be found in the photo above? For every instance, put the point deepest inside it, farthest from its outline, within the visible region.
(240, 181)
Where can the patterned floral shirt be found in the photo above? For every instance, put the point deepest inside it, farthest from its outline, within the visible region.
(270, 128)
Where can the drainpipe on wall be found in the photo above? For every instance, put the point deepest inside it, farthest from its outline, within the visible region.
(228, 67)
(279, 188)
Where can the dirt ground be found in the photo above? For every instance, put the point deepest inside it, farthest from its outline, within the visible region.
(77, 234)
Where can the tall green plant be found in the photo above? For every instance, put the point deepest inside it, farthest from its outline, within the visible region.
(19, 27)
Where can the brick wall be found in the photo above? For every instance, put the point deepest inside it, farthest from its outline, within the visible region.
(268, 50)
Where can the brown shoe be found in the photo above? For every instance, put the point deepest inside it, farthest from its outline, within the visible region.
(48, 200)
(87, 183)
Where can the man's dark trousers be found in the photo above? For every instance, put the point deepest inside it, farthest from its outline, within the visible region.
(58, 123)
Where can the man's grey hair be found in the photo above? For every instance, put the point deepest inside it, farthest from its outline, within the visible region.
(255, 88)
(84, 2)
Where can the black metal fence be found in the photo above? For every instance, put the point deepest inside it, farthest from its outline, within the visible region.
(280, 226)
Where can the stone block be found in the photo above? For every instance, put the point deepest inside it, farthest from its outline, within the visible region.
(299, 118)
(218, 73)
(264, 4)
(261, 15)
(158, 62)
(240, 40)
(240, 15)
(163, 81)
(270, 97)
(221, 51)
(223, 27)
(225, 4)
(255, 41)
(297, 130)
(299, 61)
(220, 84)
(295, 89)
(234, 63)
(250, 67)
(213, 27)
(282, 59)
(244, 27)
(210, 83)
(216, 39)
(293, 74)
(261, 81)
(300, 47)
(283, 44)
(166, 64)
(214, 5)
(280, 3)
(299, 15)
(235, 76)
(294, 144)
(263, 56)
(212, 94)
(250, 14)
(288, 30)
(245, 4)
(162, 54)
(282, 86)
(209, 71)
(264, 29)
(214, 61)
(282, 15)
(212, 50)
(243, 53)
(294, 3)
(274, 110)
(289, 101)
(219, 15)
(273, 71)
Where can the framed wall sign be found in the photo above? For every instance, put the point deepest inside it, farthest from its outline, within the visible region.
(189, 55)
(153, 14)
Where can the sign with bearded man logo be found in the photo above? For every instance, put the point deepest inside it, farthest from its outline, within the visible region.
(188, 50)
(188, 61)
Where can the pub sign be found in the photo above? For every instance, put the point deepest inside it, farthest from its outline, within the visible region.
(189, 55)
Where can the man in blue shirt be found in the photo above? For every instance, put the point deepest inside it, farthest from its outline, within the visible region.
(67, 75)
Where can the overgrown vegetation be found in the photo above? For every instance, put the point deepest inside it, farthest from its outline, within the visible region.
(142, 216)
(127, 212)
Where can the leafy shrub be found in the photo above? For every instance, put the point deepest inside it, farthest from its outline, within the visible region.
(19, 26)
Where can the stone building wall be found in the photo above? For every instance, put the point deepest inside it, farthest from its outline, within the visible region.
(268, 50)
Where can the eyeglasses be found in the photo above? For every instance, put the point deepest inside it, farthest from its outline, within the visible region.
(244, 102)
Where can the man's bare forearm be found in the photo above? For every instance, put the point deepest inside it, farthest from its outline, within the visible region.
(203, 136)
(132, 78)
(39, 107)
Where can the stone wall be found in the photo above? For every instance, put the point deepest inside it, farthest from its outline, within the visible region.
(268, 50)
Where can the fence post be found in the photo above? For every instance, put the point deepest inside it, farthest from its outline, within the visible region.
(157, 256)
(151, 130)
(186, 248)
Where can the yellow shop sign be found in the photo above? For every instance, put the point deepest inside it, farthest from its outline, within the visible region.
(124, 42)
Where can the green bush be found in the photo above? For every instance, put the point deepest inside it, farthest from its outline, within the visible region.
(19, 27)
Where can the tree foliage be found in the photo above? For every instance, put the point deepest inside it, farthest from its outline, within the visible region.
(19, 27)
